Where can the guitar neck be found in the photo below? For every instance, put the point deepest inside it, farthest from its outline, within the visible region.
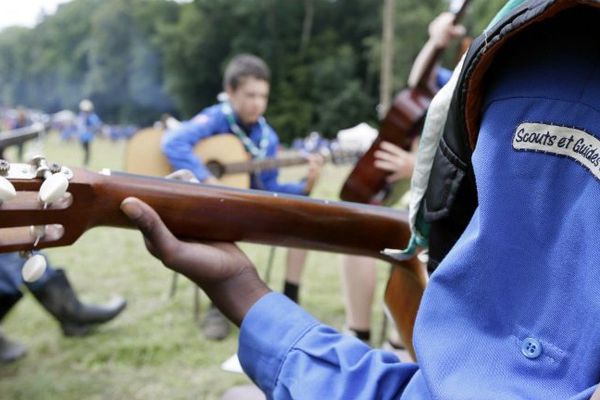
(215, 213)
(263, 165)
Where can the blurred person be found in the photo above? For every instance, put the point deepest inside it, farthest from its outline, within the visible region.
(88, 124)
(56, 295)
(359, 274)
(246, 83)
(22, 119)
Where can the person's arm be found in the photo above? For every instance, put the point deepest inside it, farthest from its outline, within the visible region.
(441, 32)
(282, 347)
(178, 145)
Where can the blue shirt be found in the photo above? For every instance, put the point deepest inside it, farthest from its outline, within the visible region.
(87, 124)
(178, 145)
(513, 311)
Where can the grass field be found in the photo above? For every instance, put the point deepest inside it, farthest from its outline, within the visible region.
(154, 350)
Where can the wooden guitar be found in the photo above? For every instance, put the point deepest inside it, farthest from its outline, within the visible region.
(401, 125)
(223, 154)
(204, 212)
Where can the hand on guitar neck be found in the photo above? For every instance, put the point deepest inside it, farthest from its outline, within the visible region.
(315, 164)
(221, 269)
(394, 159)
(441, 31)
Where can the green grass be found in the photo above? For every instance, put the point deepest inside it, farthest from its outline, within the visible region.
(154, 350)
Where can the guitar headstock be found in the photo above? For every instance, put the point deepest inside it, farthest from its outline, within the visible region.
(43, 204)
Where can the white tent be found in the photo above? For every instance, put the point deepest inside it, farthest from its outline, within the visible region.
(357, 138)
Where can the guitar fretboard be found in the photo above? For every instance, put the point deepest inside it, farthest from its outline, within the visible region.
(263, 165)
(286, 161)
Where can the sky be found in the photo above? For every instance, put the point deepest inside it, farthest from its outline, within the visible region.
(25, 12)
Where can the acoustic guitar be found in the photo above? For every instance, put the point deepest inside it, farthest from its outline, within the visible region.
(195, 211)
(223, 154)
(401, 125)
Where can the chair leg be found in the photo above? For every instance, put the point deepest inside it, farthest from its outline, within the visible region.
(383, 333)
(173, 285)
(270, 265)
(196, 303)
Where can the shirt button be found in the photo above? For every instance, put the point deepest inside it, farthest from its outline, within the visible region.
(531, 348)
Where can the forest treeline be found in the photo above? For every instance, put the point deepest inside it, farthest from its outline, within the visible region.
(137, 59)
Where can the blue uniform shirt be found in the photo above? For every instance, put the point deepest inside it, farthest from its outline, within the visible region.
(87, 124)
(513, 311)
(178, 145)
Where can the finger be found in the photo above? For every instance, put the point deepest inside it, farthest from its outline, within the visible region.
(458, 30)
(386, 166)
(151, 226)
(385, 156)
(392, 148)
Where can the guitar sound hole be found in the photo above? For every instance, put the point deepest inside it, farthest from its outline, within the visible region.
(215, 168)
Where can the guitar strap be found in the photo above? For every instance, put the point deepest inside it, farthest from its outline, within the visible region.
(257, 152)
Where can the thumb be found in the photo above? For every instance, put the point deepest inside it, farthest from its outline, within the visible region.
(155, 232)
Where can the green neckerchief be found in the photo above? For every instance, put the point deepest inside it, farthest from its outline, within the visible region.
(258, 152)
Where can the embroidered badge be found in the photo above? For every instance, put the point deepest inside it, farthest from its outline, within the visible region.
(560, 140)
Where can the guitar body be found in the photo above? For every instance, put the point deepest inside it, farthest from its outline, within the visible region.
(144, 156)
(401, 125)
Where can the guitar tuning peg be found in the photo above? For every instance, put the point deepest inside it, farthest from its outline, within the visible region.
(37, 232)
(7, 190)
(53, 188)
(34, 268)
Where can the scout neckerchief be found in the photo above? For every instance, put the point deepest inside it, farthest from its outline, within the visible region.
(258, 152)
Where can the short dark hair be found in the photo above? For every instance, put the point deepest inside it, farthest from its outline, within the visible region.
(243, 66)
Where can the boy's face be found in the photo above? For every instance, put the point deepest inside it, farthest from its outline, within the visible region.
(249, 100)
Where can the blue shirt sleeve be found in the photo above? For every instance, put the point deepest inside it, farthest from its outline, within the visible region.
(443, 76)
(299, 358)
(178, 144)
(269, 180)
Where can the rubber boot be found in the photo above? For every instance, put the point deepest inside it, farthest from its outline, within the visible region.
(57, 296)
(9, 350)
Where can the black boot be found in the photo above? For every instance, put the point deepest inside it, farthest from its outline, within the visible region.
(9, 351)
(76, 319)
(7, 302)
